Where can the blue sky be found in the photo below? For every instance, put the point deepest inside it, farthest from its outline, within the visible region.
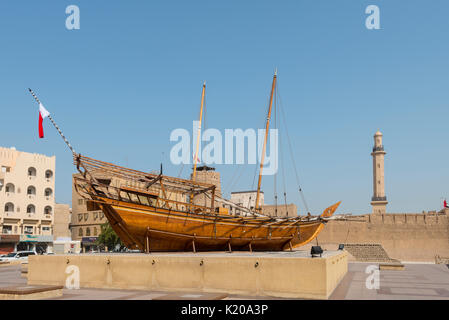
(134, 71)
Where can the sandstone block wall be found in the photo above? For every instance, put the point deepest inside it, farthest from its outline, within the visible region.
(406, 237)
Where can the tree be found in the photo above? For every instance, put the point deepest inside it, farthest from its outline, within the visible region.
(108, 237)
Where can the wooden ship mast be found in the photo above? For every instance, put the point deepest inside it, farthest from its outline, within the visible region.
(267, 127)
(198, 137)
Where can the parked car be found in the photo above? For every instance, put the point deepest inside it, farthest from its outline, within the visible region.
(17, 256)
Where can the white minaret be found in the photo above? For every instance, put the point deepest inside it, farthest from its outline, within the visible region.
(379, 200)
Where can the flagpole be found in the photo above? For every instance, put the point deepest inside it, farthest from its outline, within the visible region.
(54, 123)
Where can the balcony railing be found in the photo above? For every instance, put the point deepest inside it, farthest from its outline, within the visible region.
(378, 148)
(379, 199)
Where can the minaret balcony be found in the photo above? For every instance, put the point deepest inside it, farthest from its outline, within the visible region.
(378, 148)
(379, 199)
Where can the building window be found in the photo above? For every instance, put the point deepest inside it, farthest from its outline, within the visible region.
(48, 210)
(10, 188)
(87, 232)
(80, 232)
(6, 169)
(7, 229)
(31, 172)
(45, 228)
(95, 231)
(48, 174)
(28, 230)
(80, 202)
(9, 207)
(48, 192)
(86, 216)
(31, 191)
(31, 209)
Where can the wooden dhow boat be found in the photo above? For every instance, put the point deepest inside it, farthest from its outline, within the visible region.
(155, 212)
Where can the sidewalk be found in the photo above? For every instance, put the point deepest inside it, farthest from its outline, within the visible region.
(417, 281)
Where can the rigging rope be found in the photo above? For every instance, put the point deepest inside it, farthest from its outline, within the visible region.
(180, 171)
(230, 183)
(283, 176)
(256, 167)
(281, 156)
(238, 177)
(275, 148)
(292, 157)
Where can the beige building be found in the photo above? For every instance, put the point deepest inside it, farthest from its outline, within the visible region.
(247, 199)
(85, 225)
(280, 210)
(63, 216)
(379, 200)
(207, 174)
(27, 202)
(63, 242)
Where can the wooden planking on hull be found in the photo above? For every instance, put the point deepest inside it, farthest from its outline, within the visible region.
(180, 233)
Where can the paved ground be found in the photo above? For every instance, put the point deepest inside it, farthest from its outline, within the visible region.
(417, 281)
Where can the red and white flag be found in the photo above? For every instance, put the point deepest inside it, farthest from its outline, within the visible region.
(197, 159)
(43, 113)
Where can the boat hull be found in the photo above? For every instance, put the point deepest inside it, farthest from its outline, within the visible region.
(156, 229)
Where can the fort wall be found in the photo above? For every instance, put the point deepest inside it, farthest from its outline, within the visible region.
(406, 237)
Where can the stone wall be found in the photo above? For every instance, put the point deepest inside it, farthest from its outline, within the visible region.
(406, 237)
(281, 210)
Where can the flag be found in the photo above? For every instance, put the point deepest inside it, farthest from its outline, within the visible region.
(197, 159)
(445, 204)
(43, 113)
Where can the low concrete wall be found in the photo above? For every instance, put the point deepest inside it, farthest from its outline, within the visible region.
(293, 275)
